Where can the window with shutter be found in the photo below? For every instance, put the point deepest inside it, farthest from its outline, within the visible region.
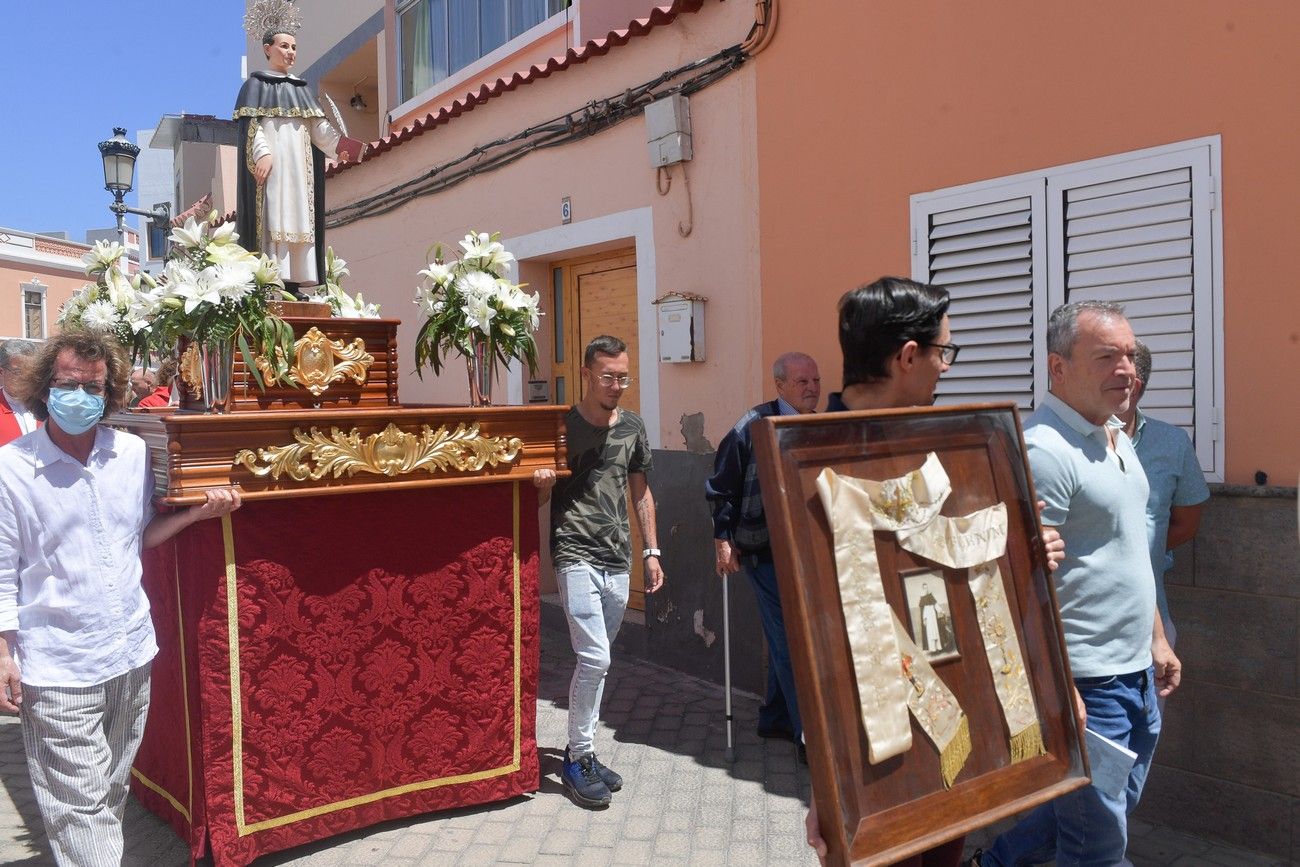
(33, 294)
(1141, 229)
(984, 248)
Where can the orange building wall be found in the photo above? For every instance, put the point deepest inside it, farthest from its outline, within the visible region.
(62, 282)
(908, 97)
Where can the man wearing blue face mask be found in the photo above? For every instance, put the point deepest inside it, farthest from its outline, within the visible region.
(75, 512)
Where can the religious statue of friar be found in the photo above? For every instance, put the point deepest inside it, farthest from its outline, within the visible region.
(283, 142)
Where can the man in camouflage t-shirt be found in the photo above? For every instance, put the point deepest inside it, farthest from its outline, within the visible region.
(608, 454)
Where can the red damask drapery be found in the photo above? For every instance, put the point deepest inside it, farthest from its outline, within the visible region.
(384, 651)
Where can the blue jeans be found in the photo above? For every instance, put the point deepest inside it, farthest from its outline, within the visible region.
(780, 709)
(1087, 827)
(594, 601)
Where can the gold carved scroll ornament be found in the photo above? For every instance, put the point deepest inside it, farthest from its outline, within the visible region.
(319, 362)
(390, 452)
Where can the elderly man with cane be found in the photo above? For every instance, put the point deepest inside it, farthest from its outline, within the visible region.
(740, 538)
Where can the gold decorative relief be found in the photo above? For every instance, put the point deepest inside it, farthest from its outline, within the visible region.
(190, 370)
(319, 362)
(391, 452)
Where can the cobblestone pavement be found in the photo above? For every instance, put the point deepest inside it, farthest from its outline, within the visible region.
(682, 803)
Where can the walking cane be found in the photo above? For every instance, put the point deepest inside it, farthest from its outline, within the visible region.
(726, 663)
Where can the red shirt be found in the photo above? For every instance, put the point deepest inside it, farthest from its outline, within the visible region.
(161, 397)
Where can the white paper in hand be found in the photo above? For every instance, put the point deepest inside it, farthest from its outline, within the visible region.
(1111, 763)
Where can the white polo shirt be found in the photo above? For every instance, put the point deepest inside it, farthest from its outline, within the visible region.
(70, 538)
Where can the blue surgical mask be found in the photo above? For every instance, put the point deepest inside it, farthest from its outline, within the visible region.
(74, 411)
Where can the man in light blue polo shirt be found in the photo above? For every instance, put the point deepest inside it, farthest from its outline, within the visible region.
(1087, 472)
(1178, 487)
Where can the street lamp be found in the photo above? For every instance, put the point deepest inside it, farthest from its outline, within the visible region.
(119, 169)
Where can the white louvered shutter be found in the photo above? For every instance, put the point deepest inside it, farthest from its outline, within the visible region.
(1138, 233)
(984, 246)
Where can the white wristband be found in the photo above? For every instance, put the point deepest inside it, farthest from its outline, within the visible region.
(650, 552)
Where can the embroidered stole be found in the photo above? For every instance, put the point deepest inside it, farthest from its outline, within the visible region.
(893, 675)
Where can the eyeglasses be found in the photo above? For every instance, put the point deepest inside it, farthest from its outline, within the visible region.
(95, 388)
(608, 380)
(950, 350)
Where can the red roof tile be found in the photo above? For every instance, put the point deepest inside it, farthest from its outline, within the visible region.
(658, 17)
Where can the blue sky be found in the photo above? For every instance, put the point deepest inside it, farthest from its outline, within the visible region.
(74, 69)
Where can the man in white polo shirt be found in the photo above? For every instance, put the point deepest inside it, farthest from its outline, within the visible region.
(1087, 472)
(75, 512)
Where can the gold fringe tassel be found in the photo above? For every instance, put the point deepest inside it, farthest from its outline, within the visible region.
(1027, 744)
(954, 756)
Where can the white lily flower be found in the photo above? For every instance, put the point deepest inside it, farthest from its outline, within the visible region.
(437, 274)
(479, 314)
(336, 267)
(102, 255)
(119, 287)
(474, 243)
(531, 305)
(267, 273)
(428, 298)
(190, 235)
(483, 251)
(511, 296)
(224, 234)
(221, 254)
(184, 284)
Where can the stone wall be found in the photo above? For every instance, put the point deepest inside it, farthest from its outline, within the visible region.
(1228, 763)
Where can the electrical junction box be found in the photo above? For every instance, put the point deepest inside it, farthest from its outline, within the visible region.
(668, 130)
(681, 327)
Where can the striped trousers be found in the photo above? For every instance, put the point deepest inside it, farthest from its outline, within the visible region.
(80, 744)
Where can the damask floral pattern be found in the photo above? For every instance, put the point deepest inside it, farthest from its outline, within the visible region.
(377, 663)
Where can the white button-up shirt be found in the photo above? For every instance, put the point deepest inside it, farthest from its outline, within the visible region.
(70, 538)
(23, 415)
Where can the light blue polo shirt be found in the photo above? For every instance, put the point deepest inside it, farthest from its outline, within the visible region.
(1098, 501)
(1175, 477)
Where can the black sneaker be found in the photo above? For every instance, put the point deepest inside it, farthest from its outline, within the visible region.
(775, 732)
(583, 781)
(612, 780)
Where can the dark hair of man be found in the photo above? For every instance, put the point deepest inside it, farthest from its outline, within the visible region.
(34, 389)
(878, 318)
(602, 345)
(268, 38)
(15, 348)
(1063, 324)
(1142, 362)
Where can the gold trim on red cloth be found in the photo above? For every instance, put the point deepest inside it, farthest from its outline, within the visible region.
(245, 828)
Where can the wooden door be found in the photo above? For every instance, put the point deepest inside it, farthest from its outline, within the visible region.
(599, 297)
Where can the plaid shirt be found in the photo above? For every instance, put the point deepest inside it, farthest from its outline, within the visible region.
(733, 491)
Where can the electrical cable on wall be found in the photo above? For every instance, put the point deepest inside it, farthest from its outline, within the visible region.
(664, 184)
(594, 117)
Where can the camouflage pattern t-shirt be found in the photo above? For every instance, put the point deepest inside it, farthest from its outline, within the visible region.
(589, 508)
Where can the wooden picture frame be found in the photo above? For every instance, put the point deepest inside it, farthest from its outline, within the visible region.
(877, 814)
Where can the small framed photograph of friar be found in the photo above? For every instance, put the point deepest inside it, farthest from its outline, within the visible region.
(930, 615)
(930, 666)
